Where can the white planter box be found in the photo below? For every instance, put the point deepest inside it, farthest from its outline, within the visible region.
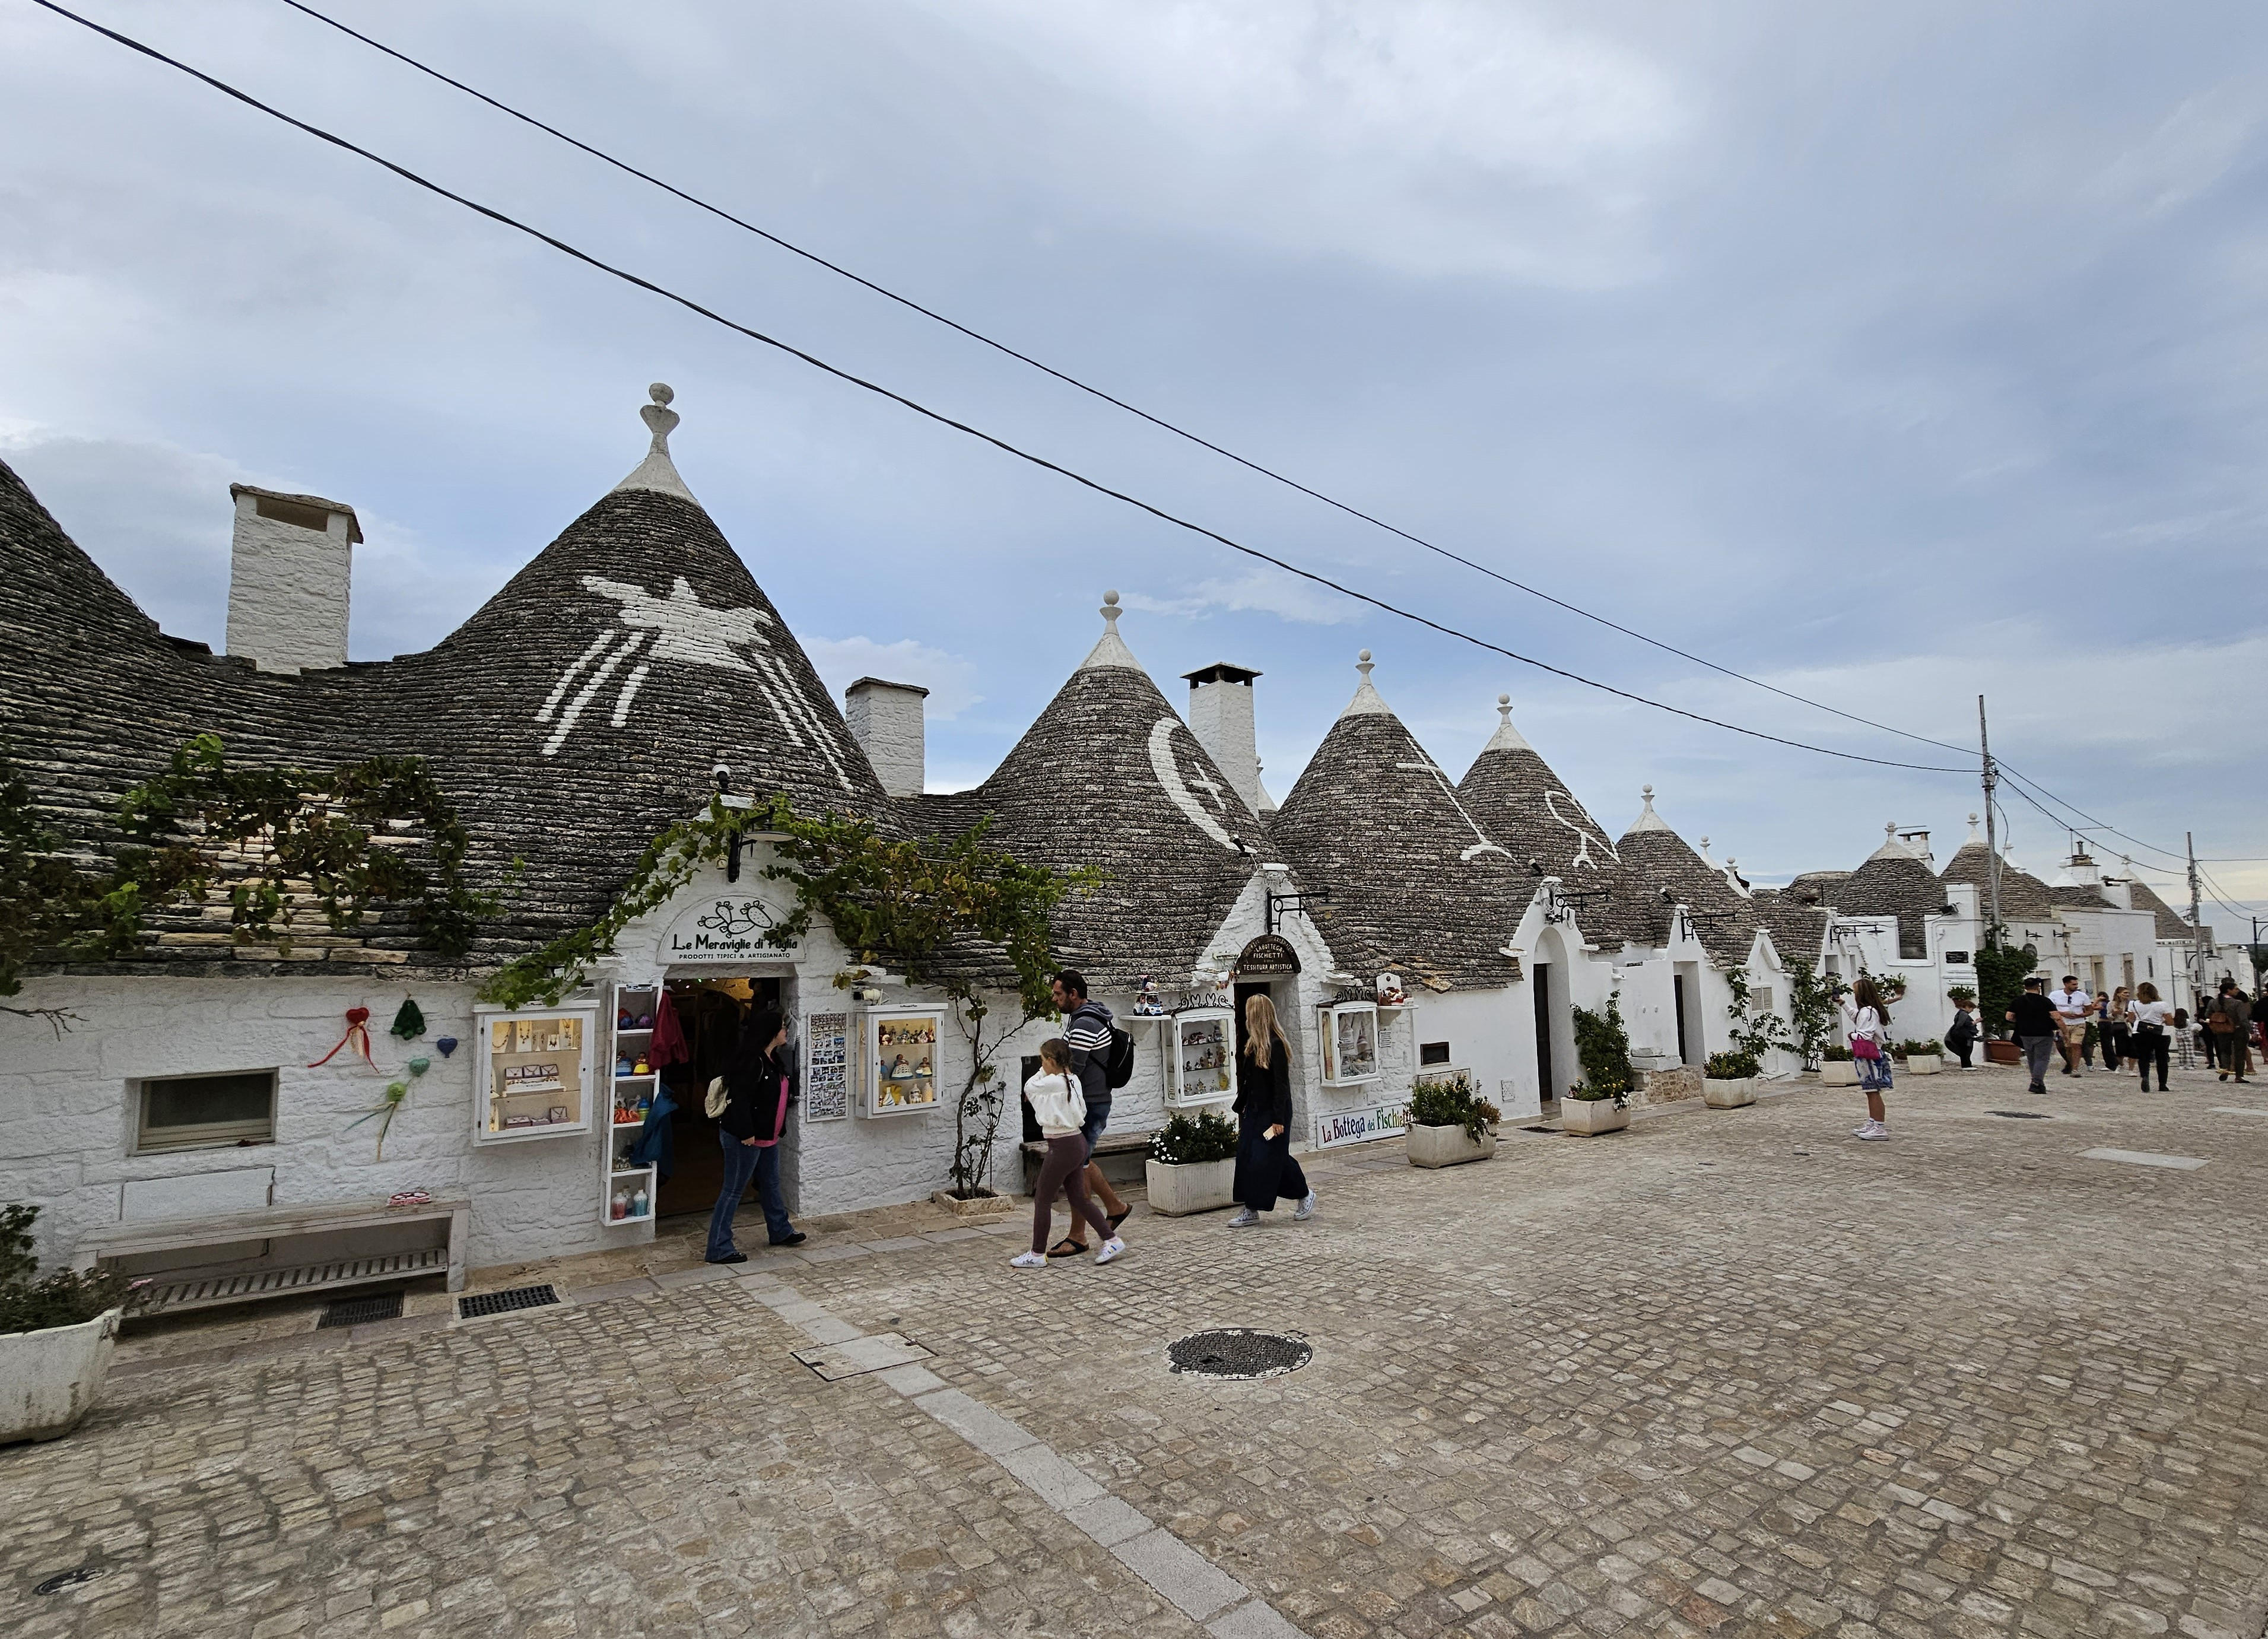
(1923, 1064)
(51, 1379)
(1199, 1187)
(1447, 1146)
(1844, 1073)
(1729, 1095)
(1591, 1116)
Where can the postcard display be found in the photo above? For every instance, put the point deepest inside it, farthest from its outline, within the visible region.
(902, 1058)
(626, 1189)
(536, 1076)
(1349, 1039)
(1199, 1044)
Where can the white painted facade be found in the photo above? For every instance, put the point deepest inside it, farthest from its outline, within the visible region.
(291, 567)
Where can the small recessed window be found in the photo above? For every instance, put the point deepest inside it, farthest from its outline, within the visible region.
(1432, 1053)
(206, 1112)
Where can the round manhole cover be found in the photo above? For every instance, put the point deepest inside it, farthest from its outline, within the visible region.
(1237, 1352)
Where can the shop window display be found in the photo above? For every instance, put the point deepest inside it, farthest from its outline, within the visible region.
(1199, 1048)
(538, 1071)
(901, 1060)
(1350, 1040)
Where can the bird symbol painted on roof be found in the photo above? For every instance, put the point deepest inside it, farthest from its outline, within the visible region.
(1584, 827)
(685, 630)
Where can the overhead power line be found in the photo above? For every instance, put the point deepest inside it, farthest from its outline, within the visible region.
(1070, 380)
(942, 419)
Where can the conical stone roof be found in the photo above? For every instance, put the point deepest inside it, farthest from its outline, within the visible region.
(1512, 792)
(1417, 882)
(1109, 775)
(1894, 882)
(584, 708)
(1655, 858)
(2022, 894)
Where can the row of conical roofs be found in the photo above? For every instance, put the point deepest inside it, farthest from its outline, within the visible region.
(633, 663)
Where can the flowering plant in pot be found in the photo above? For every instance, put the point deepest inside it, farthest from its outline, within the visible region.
(1922, 1058)
(1838, 1068)
(1600, 1103)
(55, 1336)
(1729, 1079)
(1447, 1124)
(1192, 1165)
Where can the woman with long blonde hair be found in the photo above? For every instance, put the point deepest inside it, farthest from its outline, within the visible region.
(1265, 1171)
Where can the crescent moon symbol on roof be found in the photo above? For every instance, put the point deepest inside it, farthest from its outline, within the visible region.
(1169, 781)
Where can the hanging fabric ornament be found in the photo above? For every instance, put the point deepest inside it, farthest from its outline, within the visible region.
(447, 1044)
(408, 1024)
(419, 1065)
(357, 1036)
(396, 1094)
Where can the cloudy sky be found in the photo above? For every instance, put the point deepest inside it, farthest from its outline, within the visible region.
(1890, 355)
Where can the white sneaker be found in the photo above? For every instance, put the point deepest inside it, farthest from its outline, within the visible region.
(1874, 1129)
(1306, 1208)
(1029, 1260)
(1246, 1218)
(1111, 1248)
(1864, 1130)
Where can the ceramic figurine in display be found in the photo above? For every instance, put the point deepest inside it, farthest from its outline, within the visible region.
(1146, 1000)
(644, 1069)
(639, 1204)
(620, 1206)
(1390, 993)
(623, 1065)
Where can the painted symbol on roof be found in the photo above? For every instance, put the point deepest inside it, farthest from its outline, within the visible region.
(684, 630)
(1426, 765)
(1166, 764)
(1585, 828)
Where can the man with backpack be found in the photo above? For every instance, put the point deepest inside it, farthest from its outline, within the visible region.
(1102, 1058)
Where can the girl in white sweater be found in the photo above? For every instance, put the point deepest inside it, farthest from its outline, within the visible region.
(1059, 1105)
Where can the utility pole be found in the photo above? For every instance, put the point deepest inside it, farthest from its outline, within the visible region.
(1991, 838)
(2197, 921)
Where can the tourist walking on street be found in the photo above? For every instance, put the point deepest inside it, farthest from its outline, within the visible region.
(2038, 1026)
(2230, 1020)
(1087, 1028)
(1059, 1105)
(1866, 1022)
(2152, 1023)
(1960, 1034)
(749, 1126)
(2113, 1027)
(1265, 1171)
(2071, 1005)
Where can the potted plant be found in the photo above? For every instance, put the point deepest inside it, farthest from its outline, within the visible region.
(1838, 1068)
(1192, 1165)
(1600, 1103)
(55, 1337)
(1448, 1124)
(1729, 1080)
(1923, 1058)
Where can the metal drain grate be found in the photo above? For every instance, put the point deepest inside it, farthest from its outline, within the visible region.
(1237, 1353)
(506, 1302)
(2022, 1115)
(360, 1310)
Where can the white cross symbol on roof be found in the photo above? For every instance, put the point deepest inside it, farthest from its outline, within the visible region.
(1210, 786)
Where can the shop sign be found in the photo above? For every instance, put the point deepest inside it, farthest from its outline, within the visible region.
(729, 928)
(1358, 1126)
(1270, 956)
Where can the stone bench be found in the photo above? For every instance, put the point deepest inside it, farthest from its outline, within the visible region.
(279, 1251)
(1120, 1156)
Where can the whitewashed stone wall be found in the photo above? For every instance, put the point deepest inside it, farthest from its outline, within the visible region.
(288, 589)
(67, 1110)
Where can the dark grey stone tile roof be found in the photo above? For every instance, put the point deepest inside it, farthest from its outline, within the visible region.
(1821, 886)
(2171, 923)
(1655, 858)
(1798, 929)
(1108, 775)
(1523, 804)
(1417, 883)
(1894, 883)
(2022, 894)
(572, 719)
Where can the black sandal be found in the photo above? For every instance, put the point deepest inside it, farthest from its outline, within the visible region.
(1066, 1249)
(1116, 1218)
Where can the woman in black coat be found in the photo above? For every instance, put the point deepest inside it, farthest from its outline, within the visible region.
(1265, 1171)
(750, 1127)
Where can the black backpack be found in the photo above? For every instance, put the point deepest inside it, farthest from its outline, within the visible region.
(1120, 1065)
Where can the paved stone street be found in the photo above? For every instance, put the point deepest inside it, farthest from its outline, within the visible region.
(1731, 1372)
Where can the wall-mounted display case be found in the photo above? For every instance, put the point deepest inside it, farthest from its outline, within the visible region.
(902, 1058)
(1348, 1033)
(1199, 1046)
(627, 1189)
(535, 1078)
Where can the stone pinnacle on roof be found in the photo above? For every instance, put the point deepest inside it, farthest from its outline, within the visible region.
(1109, 649)
(1648, 820)
(1365, 702)
(657, 472)
(1507, 737)
(1891, 848)
(1974, 841)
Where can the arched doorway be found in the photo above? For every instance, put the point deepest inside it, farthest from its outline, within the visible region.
(1557, 1067)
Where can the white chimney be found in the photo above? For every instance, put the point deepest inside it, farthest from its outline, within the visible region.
(885, 720)
(1220, 716)
(290, 563)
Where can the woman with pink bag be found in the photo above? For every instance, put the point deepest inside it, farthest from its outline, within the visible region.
(1866, 1022)
(749, 1102)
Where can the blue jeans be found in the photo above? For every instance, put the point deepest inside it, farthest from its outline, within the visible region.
(743, 1162)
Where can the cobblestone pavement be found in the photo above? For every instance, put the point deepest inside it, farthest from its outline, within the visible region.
(1731, 1372)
